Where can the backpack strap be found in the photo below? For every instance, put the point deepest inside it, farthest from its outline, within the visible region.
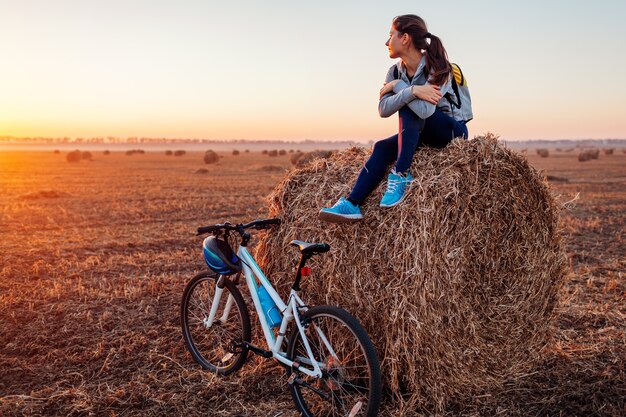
(396, 75)
(457, 79)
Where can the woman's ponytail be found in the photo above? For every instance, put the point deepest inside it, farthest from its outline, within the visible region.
(437, 64)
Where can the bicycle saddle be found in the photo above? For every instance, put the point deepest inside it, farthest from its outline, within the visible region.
(310, 248)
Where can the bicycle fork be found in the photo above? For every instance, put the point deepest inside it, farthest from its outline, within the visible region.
(219, 289)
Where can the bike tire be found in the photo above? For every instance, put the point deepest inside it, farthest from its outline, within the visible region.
(218, 348)
(350, 378)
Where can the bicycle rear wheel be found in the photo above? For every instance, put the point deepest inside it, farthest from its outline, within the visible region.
(217, 348)
(350, 385)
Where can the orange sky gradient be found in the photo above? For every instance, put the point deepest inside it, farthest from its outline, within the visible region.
(287, 71)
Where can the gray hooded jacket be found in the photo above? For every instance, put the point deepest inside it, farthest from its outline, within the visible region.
(403, 96)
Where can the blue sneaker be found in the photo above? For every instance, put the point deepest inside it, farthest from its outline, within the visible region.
(342, 212)
(396, 189)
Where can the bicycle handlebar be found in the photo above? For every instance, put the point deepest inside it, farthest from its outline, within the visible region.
(255, 224)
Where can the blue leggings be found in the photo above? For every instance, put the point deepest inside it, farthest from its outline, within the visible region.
(436, 131)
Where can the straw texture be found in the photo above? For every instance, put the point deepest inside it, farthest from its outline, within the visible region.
(456, 286)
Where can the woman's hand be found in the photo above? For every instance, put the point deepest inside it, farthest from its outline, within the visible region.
(388, 87)
(427, 92)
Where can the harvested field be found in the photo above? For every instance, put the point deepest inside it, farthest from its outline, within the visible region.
(93, 266)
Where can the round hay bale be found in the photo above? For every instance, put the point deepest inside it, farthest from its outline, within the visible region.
(211, 157)
(179, 152)
(86, 155)
(264, 152)
(456, 286)
(235, 152)
(308, 157)
(282, 152)
(106, 152)
(584, 156)
(130, 152)
(609, 151)
(544, 153)
(74, 156)
(273, 153)
(168, 153)
(201, 171)
(272, 168)
(56, 151)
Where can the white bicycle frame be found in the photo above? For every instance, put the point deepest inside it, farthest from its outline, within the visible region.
(289, 312)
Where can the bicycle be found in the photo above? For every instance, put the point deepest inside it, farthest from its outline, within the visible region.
(332, 364)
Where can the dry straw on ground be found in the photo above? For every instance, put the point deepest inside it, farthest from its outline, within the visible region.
(456, 286)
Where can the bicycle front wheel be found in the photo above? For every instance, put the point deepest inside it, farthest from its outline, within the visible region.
(350, 383)
(219, 347)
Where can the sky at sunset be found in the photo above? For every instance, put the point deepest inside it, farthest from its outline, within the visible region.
(300, 70)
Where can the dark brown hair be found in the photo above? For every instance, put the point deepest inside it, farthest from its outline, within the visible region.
(437, 64)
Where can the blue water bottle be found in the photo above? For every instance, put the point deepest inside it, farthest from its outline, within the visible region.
(269, 308)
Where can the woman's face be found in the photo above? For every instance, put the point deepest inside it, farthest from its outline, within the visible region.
(396, 43)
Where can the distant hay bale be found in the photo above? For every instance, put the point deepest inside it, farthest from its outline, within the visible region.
(272, 168)
(558, 150)
(554, 178)
(291, 151)
(282, 152)
(247, 150)
(544, 153)
(609, 151)
(588, 154)
(308, 157)
(264, 152)
(211, 157)
(56, 151)
(456, 286)
(43, 194)
(201, 171)
(74, 156)
(168, 153)
(107, 152)
(179, 152)
(272, 153)
(86, 155)
(584, 156)
(235, 152)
